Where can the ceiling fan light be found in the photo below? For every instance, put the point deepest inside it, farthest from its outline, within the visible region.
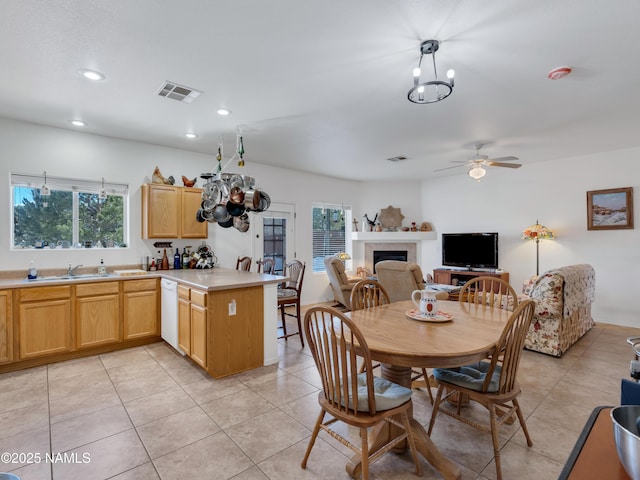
(477, 172)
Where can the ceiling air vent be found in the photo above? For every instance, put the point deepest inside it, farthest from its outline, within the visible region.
(178, 92)
(397, 159)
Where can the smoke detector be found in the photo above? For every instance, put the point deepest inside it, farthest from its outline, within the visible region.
(178, 92)
(397, 158)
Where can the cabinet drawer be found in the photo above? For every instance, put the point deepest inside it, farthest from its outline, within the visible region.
(183, 292)
(139, 285)
(97, 288)
(199, 298)
(44, 293)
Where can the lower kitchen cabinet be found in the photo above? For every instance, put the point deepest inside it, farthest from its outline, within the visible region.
(6, 327)
(97, 314)
(44, 319)
(199, 327)
(140, 304)
(192, 324)
(184, 319)
(236, 340)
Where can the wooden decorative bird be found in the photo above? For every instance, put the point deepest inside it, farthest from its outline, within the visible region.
(188, 183)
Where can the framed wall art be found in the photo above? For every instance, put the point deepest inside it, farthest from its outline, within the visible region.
(610, 209)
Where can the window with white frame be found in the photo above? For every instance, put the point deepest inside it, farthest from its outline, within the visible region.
(57, 212)
(329, 223)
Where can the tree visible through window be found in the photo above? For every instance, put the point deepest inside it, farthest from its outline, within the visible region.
(328, 233)
(72, 215)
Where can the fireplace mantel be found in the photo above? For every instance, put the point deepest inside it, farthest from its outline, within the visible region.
(392, 236)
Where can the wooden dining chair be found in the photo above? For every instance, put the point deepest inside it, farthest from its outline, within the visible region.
(366, 294)
(244, 264)
(491, 383)
(360, 400)
(289, 295)
(490, 291)
(267, 265)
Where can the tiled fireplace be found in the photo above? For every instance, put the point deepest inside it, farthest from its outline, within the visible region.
(395, 250)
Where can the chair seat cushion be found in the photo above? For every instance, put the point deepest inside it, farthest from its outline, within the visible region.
(387, 394)
(469, 376)
(287, 293)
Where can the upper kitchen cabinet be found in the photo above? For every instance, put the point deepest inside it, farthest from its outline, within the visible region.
(170, 212)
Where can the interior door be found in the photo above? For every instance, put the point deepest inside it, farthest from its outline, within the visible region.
(275, 235)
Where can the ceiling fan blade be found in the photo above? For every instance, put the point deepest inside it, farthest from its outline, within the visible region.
(449, 168)
(503, 159)
(501, 164)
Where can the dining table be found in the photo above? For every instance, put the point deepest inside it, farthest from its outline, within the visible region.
(401, 339)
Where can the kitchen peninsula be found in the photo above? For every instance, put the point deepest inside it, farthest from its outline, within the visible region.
(227, 319)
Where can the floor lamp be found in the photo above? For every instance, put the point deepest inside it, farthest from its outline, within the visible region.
(536, 233)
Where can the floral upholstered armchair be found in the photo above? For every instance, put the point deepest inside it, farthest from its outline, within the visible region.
(563, 298)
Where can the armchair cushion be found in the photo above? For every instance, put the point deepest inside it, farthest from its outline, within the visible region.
(399, 279)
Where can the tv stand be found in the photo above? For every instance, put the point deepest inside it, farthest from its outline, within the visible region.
(460, 277)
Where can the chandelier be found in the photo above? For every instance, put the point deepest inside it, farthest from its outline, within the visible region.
(434, 90)
(227, 197)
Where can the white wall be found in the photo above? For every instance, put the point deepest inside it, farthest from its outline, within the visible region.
(29, 148)
(505, 201)
(553, 192)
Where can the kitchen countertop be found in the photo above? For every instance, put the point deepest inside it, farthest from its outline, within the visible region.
(217, 278)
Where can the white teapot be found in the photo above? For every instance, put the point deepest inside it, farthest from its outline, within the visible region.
(428, 304)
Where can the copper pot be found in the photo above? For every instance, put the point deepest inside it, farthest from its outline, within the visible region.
(236, 195)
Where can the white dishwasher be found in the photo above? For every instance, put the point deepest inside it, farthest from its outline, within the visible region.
(169, 313)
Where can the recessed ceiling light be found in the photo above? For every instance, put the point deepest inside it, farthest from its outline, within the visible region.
(190, 135)
(91, 74)
(78, 123)
(223, 111)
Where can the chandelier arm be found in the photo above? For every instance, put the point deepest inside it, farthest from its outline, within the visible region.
(435, 71)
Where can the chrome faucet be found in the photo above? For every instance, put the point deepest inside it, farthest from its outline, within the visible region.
(71, 271)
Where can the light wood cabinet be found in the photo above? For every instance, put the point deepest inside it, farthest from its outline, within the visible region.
(97, 314)
(184, 319)
(189, 226)
(140, 308)
(6, 327)
(236, 342)
(44, 319)
(169, 211)
(192, 324)
(199, 327)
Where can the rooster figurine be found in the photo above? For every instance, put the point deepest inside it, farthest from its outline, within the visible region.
(157, 177)
(188, 183)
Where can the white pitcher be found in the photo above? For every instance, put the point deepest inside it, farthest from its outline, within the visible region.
(428, 303)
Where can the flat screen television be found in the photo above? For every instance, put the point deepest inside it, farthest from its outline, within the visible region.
(470, 250)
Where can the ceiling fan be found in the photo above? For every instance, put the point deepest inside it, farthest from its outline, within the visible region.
(477, 163)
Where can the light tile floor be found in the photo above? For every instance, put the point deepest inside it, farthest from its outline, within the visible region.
(148, 413)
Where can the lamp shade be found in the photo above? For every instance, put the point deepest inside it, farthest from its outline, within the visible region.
(343, 256)
(537, 232)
